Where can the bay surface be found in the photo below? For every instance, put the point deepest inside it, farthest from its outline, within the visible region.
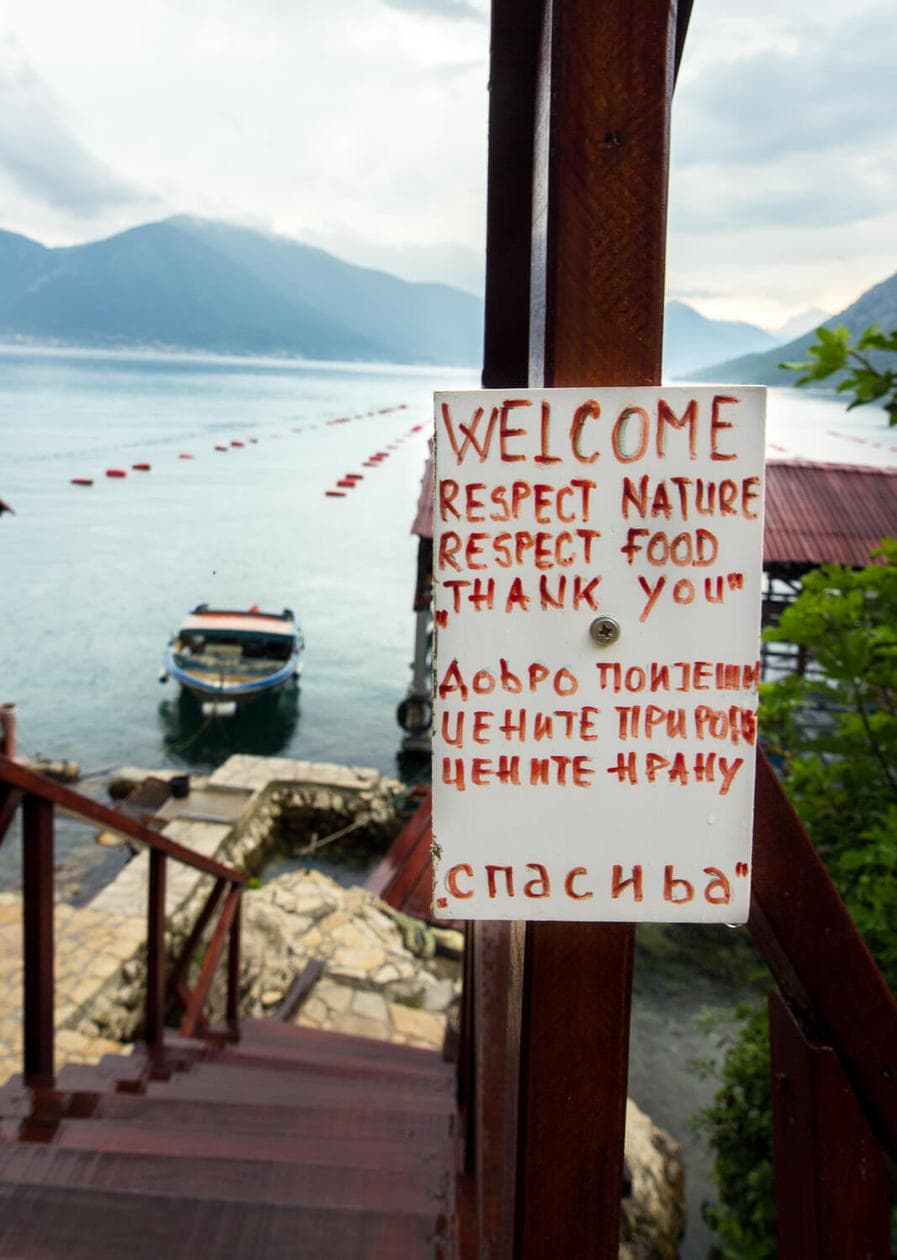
(94, 580)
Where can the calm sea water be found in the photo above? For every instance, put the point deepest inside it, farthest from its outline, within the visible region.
(94, 580)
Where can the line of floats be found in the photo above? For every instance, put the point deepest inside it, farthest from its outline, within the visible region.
(345, 483)
(350, 480)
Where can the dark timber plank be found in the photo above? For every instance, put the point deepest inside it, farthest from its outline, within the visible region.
(319, 1063)
(45, 1223)
(219, 1082)
(404, 1125)
(810, 944)
(180, 1141)
(337, 1045)
(416, 1191)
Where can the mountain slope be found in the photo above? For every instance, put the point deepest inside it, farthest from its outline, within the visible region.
(691, 341)
(22, 261)
(877, 305)
(413, 319)
(196, 285)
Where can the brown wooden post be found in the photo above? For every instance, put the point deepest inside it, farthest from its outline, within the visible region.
(830, 1175)
(512, 110)
(37, 878)
(497, 1003)
(154, 1032)
(466, 1061)
(596, 318)
(10, 800)
(496, 973)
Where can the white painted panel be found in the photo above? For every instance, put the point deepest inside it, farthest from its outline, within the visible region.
(562, 768)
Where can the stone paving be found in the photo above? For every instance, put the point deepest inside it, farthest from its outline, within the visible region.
(90, 949)
(372, 985)
(94, 943)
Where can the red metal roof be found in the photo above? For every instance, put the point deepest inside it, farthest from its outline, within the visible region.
(827, 513)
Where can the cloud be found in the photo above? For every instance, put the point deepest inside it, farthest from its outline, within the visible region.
(787, 191)
(831, 88)
(40, 155)
(453, 9)
(439, 262)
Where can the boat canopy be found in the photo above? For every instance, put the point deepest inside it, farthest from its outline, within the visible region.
(272, 625)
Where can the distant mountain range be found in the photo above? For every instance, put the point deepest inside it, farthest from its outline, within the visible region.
(193, 284)
(691, 341)
(877, 305)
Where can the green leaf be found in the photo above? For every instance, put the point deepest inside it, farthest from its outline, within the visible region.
(866, 380)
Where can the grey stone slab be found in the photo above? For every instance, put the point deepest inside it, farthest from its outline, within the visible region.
(213, 804)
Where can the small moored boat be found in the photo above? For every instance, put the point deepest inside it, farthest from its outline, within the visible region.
(228, 657)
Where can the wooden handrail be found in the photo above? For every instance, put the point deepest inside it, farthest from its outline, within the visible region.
(92, 811)
(818, 958)
(174, 987)
(193, 1013)
(10, 800)
(38, 796)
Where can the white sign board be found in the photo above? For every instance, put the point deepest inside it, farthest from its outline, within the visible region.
(597, 571)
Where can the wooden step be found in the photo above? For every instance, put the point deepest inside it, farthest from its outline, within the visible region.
(255, 1031)
(223, 1082)
(50, 1107)
(46, 1222)
(179, 1141)
(419, 1190)
(320, 1060)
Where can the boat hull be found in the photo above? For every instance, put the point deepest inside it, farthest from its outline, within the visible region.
(227, 659)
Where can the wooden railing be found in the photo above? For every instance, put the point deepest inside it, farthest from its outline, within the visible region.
(37, 797)
(833, 1044)
(580, 96)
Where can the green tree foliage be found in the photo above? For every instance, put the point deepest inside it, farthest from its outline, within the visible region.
(739, 1125)
(866, 374)
(837, 736)
(833, 736)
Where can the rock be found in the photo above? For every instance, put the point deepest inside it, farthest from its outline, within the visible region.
(419, 1027)
(271, 997)
(110, 839)
(449, 942)
(654, 1212)
(439, 996)
(61, 771)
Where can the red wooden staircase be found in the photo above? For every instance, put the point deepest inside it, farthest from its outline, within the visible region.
(257, 1140)
(291, 1142)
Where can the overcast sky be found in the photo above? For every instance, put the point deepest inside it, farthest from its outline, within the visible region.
(360, 126)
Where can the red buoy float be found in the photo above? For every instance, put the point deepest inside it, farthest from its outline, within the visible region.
(185, 455)
(141, 467)
(116, 472)
(335, 494)
(82, 481)
(237, 442)
(219, 447)
(346, 483)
